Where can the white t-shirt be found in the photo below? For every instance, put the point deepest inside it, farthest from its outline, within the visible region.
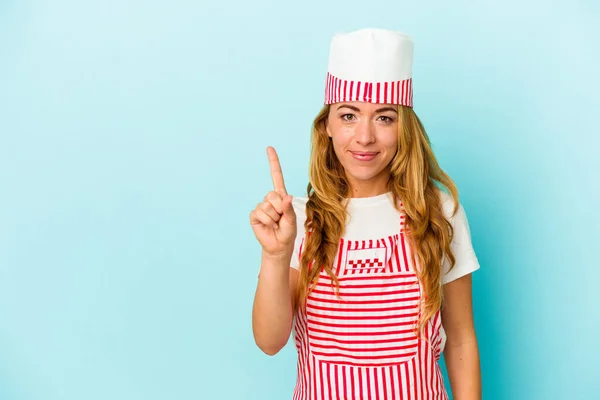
(375, 217)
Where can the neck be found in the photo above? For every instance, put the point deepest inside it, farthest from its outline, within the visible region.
(369, 188)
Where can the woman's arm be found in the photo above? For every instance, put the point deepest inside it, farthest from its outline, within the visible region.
(274, 224)
(272, 312)
(461, 352)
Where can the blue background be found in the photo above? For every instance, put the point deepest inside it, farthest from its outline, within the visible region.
(132, 148)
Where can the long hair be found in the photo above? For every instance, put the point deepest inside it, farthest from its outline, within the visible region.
(415, 180)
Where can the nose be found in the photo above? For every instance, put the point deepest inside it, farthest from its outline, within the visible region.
(365, 133)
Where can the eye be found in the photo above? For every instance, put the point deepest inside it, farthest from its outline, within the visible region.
(347, 117)
(386, 119)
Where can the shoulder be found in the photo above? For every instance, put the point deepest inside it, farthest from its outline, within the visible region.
(448, 205)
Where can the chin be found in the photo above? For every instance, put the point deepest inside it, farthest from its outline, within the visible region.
(363, 175)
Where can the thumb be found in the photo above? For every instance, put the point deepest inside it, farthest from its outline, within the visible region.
(289, 215)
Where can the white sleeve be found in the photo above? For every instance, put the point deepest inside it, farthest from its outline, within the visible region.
(299, 204)
(465, 258)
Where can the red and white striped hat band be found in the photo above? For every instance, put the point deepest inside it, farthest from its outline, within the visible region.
(341, 90)
(370, 65)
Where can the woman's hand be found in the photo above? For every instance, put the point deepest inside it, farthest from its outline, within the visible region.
(274, 220)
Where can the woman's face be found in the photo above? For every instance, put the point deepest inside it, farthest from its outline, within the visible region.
(365, 140)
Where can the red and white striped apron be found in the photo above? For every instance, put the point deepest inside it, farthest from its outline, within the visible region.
(362, 345)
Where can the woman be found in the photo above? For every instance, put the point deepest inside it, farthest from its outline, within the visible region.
(372, 269)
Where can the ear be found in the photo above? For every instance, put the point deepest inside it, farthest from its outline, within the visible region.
(327, 128)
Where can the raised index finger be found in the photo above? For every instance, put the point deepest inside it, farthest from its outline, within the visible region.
(276, 174)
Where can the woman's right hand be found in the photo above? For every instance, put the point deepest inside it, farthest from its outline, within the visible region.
(274, 220)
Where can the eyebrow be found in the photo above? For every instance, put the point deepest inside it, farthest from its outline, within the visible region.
(379, 110)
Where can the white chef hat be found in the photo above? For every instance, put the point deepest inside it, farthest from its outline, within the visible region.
(370, 65)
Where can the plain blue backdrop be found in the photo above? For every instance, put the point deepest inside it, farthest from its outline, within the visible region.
(132, 148)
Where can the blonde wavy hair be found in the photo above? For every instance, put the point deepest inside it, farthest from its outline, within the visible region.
(415, 178)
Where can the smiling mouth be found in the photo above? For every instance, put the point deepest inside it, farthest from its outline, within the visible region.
(364, 155)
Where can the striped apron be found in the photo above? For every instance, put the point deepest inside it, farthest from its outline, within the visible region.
(362, 345)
